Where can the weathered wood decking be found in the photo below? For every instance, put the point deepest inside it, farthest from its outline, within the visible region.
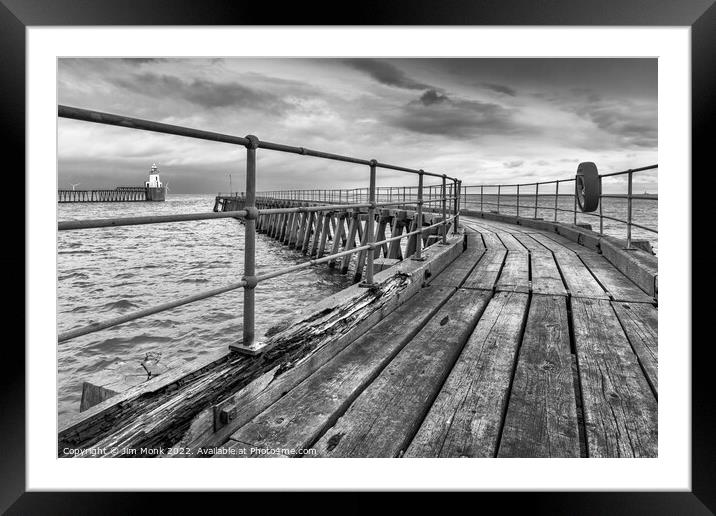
(527, 345)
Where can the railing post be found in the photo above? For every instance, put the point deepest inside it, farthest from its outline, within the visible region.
(536, 198)
(370, 233)
(419, 226)
(601, 213)
(444, 203)
(499, 191)
(250, 244)
(575, 202)
(518, 201)
(556, 201)
(629, 195)
(456, 201)
(482, 189)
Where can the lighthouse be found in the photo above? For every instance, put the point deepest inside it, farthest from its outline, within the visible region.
(156, 191)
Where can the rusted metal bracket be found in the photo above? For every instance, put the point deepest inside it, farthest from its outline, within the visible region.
(224, 413)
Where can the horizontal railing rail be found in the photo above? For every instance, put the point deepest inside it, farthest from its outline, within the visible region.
(494, 195)
(366, 198)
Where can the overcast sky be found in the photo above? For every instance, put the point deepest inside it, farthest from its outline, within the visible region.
(483, 120)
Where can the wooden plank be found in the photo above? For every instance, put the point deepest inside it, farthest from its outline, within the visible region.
(466, 417)
(619, 287)
(324, 234)
(567, 243)
(640, 322)
(320, 216)
(309, 231)
(290, 228)
(495, 226)
(381, 421)
(411, 244)
(546, 278)
(530, 243)
(485, 274)
(394, 250)
(301, 416)
(351, 241)
(577, 277)
(383, 221)
(300, 230)
(511, 242)
(454, 274)
(515, 274)
(620, 410)
(541, 418)
(550, 244)
(362, 255)
(338, 237)
(492, 242)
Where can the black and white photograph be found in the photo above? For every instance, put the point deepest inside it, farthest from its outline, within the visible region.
(357, 257)
(448, 247)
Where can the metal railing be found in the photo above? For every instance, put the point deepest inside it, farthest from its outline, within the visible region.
(495, 195)
(368, 198)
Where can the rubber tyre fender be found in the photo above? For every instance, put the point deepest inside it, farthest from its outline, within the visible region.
(589, 187)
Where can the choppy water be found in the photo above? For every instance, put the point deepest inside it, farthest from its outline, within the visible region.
(103, 273)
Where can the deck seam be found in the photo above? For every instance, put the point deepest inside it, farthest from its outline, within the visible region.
(428, 407)
(604, 287)
(508, 393)
(631, 346)
(577, 383)
(576, 378)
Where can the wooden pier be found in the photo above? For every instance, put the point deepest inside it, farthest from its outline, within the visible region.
(507, 337)
(527, 344)
(333, 230)
(119, 194)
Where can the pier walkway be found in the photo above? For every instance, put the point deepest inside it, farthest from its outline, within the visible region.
(527, 345)
(473, 333)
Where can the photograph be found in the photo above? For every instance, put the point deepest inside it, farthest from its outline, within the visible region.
(357, 257)
(420, 240)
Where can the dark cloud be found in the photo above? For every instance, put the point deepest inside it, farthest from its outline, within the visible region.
(513, 164)
(500, 88)
(386, 73)
(432, 97)
(633, 125)
(438, 114)
(204, 93)
(143, 60)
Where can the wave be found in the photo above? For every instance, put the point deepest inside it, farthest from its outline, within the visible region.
(122, 304)
(72, 275)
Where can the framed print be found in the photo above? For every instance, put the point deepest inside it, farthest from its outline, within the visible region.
(420, 246)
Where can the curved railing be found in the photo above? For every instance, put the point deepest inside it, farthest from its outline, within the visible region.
(497, 198)
(249, 213)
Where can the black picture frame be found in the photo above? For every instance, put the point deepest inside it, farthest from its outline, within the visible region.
(17, 15)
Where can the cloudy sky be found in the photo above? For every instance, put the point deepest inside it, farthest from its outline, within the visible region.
(483, 120)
